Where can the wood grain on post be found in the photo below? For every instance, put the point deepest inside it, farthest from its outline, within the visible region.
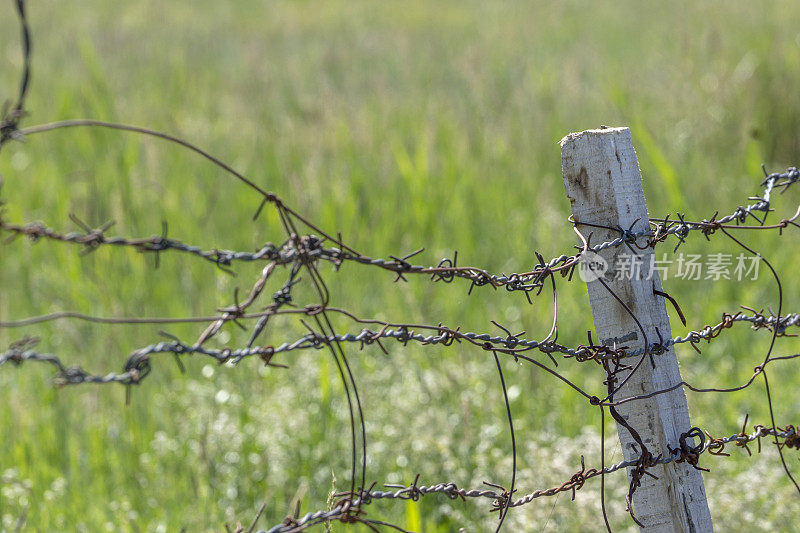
(604, 186)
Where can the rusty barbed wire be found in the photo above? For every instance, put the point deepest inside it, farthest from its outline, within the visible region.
(310, 247)
(445, 336)
(303, 251)
(688, 453)
(138, 365)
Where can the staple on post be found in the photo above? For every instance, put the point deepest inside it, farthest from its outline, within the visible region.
(604, 186)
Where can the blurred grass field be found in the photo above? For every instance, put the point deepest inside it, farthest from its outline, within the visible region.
(401, 125)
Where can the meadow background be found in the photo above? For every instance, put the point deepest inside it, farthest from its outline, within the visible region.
(401, 125)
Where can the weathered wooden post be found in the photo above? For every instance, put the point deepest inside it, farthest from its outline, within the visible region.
(604, 186)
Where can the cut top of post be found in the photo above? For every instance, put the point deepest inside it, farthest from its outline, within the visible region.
(615, 198)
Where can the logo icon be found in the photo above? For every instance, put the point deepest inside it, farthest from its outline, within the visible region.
(592, 266)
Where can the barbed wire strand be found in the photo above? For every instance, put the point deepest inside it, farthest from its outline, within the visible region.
(414, 491)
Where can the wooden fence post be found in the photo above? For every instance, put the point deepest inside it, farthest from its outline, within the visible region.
(604, 185)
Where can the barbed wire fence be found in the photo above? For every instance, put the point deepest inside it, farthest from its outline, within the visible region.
(305, 246)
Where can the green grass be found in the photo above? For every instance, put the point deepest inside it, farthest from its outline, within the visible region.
(401, 125)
